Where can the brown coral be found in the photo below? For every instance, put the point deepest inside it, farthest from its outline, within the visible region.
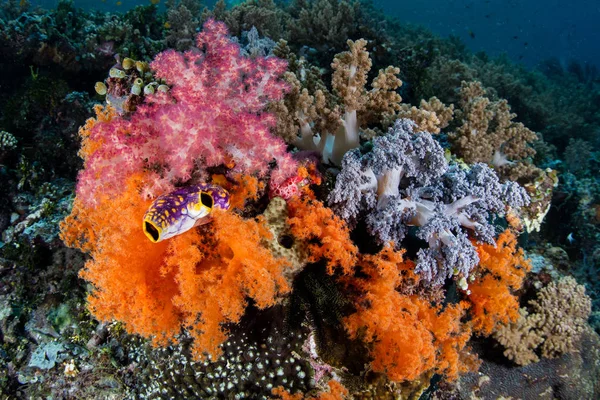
(557, 319)
(431, 116)
(314, 119)
(487, 132)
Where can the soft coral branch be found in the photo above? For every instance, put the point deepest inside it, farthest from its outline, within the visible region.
(211, 116)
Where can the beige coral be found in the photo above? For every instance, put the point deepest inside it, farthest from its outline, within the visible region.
(431, 116)
(558, 318)
(539, 184)
(331, 123)
(487, 129)
(283, 244)
(520, 339)
(563, 308)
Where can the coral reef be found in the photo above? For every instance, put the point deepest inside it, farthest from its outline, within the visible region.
(192, 118)
(500, 272)
(364, 252)
(257, 358)
(317, 122)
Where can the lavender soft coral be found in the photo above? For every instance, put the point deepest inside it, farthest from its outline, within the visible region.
(406, 181)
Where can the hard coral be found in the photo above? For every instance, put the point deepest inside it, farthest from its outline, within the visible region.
(211, 116)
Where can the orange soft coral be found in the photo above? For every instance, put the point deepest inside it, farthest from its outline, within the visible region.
(244, 188)
(408, 336)
(501, 270)
(336, 391)
(89, 146)
(327, 235)
(125, 267)
(217, 270)
(198, 280)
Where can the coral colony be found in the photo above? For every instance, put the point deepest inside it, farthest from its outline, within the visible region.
(202, 280)
(255, 219)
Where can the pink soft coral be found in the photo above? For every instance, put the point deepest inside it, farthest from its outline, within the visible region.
(212, 115)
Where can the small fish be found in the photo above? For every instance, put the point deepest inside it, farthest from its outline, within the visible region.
(155, 2)
(119, 3)
(515, 37)
(472, 34)
(570, 238)
(525, 44)
(179, 211)
(167, 25)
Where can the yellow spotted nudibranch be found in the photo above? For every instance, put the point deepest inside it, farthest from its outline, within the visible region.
(179, 211)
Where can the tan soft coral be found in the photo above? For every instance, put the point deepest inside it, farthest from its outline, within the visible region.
(198, 280)
(315, 119)
(431, 116)
(487, 132)
(408, 336)
(553, 326)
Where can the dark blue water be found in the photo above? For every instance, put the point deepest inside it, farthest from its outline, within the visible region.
(529, 31)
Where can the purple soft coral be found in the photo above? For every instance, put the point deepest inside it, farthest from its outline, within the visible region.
(406, 181)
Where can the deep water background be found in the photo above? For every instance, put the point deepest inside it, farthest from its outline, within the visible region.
(528, 31)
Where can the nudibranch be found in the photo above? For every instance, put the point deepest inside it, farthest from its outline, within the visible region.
(179, 211)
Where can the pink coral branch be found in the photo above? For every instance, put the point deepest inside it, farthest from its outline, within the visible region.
(212, 115)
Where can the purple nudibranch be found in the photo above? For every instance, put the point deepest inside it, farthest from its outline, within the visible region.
(179, 211)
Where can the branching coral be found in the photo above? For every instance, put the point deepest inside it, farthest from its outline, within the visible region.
(558, 317)
(408, 336)
(269, 19)
(198, 280)
(431, 115)
(501, 271)
(183, 19)
(319, 22)
(406, 181)
(209, 117)
(487, 132)
(331, 124)
(327, 236)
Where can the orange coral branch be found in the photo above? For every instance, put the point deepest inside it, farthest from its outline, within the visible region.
(327, 235)
(198, 280)
(502, 269)
(408, 336)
